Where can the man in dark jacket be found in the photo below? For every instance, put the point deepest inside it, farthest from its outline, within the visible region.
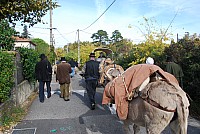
(91, 74)
(174, 69)
(43, 73)
(63, 76)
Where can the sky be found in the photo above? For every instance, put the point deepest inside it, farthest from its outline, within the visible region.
(178, 16)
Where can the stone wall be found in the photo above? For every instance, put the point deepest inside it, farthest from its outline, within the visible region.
(24, 90)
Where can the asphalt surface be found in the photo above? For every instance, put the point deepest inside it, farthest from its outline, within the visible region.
(56, 116)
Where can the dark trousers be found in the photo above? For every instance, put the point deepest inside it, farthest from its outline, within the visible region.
(91, 85)
(41, 89)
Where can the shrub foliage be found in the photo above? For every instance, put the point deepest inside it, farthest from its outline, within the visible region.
(29, 60)
(7, 74)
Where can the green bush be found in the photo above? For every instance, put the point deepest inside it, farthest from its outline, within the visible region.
(186, 54)
(29, 58)
(7, 74)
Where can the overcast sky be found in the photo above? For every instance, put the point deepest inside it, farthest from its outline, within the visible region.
(124, 15)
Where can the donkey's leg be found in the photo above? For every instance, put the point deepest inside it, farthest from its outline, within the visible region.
(175, 128)
(127, 128)
(158, 121)
(136, 129)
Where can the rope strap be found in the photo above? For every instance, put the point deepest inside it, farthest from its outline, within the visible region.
(129, 95)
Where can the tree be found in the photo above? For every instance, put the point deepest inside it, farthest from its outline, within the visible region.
(152, 31)
(86, 49)
(186, 54)
(154, 44)
(121, 51)
(26, 11)
(101, 37)
(60, 52)
(52, 55)
(116, 36)
(6, 35)
(25, 33)
(117, 39)
(41, 46)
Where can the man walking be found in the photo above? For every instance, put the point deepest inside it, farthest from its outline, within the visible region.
(43, 73)
(174, 69)
(63, 76)
(91, 74)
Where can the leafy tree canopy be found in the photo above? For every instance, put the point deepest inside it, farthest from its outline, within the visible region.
(26, 11)
(41, 46)
(116, 36)
(6, 35)
(60, 52)
(101, 37)
(85, 51)
(25, 33)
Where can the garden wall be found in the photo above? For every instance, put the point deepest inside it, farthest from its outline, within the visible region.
(24, 90)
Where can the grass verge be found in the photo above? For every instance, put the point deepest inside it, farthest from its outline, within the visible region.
(14, 114)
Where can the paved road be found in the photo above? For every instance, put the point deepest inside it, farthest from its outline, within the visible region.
(56, 116)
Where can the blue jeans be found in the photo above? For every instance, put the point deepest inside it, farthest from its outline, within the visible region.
(73, 72)
(41, 89)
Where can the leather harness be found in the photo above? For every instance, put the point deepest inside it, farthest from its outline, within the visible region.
(155, 104)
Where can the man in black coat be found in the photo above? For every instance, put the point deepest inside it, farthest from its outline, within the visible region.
(43, 73)
(91, 74)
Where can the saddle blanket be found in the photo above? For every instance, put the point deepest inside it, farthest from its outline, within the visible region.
(133, 77)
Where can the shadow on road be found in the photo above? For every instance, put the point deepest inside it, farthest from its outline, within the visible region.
(99, 120)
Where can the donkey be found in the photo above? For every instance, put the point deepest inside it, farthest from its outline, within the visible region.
(160, 106)
(159, 103)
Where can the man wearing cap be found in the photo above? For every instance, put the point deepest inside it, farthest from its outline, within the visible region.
(43, 73)
(63, 76)
(91, 74)
(174, 69)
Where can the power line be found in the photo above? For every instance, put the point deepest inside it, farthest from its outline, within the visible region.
(85, 32)
(84, 28)
(100, 15)
(70, 32)
(19, 26)
(170, 24)
(38, 32)
(62, 35)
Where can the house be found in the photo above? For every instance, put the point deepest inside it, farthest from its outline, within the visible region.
(23, 42)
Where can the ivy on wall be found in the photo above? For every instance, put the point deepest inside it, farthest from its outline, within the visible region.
(29, 58)
(7, 67)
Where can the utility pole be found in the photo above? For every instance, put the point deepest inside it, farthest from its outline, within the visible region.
(52, 40)
(67, 48)
(51, 35)
(177, 38)
(78, 47)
